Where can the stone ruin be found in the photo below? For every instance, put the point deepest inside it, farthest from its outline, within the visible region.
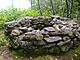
(43, 33)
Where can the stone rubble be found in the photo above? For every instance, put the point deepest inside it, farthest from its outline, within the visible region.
(43, 31)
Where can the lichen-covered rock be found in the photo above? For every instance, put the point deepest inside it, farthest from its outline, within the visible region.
(16, 32)
(43, 32)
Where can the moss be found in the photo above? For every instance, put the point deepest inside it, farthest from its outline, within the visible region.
(39, 37)
(16, 32)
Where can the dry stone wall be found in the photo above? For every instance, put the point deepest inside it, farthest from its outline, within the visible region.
(43, 32)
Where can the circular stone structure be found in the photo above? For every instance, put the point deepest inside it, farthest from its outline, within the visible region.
(46, 33)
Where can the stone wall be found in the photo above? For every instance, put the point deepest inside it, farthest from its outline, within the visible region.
(43, 33)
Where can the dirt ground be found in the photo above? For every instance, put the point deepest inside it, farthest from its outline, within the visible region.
(5, 54)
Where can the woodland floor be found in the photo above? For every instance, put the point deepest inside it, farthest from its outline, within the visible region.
(6, 54)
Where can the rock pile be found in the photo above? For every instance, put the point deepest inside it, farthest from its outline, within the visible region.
(43, 32)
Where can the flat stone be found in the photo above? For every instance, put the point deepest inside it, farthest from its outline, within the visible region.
(26, 43)
(66, 38)
(44, 32)
(79, 29)
(66, 30)
(50, 29)
(10, 22)
(53, 39)
(29, 33)
(56, 27)
(21, 37)
(39, 43)
(28, 18)
(62, 43)
(10, 26)
(52, 22)
(64, 23)
(53, 16)
(77, 34)
(56, 33)
(59, 22)
(23, 28)
(30, 29)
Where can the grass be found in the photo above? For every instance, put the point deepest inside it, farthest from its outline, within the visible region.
(3, 40)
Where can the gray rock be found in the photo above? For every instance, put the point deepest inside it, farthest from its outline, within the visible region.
(53, 39)
(79, 29)
(39, 43)
(7, 23)
(65, 38)
(49, 29)
(62, 43)
(23, 28)
(30, 29)
(44, 32)
(66, 30)
(77, 34)
(56, 33)
(26, 43)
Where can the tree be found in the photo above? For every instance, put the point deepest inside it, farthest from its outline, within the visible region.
(51, 2)
(78, 14)
(19, 4)
(31, 4)
(61, 8)
(39, 7)
(71, 5)
(12, 4)
(67, 9)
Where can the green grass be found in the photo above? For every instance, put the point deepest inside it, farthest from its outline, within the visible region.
(3, 40)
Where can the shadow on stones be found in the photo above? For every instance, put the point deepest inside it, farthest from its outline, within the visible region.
(36, 53)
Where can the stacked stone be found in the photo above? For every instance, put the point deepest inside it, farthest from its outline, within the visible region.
(43, 32)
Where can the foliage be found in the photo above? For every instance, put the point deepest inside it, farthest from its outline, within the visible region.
(59, 8)
(3, 41)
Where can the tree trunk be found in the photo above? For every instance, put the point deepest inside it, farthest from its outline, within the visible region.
(31, 4)
(12, 3)
(67, 9)
(39, 7)
(78, 15)
(71, 4)
(51, 2)
(60, 8)
(44, 3)
(19, 4)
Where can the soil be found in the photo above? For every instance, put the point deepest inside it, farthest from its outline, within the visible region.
(5, 54)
